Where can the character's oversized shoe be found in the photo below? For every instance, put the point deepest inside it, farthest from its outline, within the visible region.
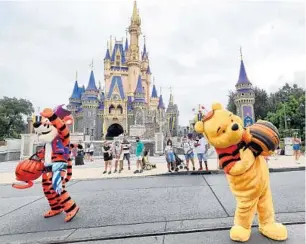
(51, 213)
(238, 233)
(274, 231)
(72, 214)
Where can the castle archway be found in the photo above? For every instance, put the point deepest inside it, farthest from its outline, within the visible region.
(114, 130)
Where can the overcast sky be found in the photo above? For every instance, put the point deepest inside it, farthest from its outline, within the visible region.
(193, 46)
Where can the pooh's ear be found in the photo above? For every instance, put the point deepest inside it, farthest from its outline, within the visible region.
(216, 106)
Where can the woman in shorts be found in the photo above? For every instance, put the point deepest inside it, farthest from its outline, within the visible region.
(108, 157)
(296, 149)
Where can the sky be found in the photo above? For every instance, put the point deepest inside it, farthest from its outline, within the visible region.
(193, 46)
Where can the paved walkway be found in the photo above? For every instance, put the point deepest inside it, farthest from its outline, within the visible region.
(171, 209)
(94, 170)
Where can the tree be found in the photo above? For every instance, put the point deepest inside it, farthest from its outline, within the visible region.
(287, 106)
(12, 116)
(231, 102)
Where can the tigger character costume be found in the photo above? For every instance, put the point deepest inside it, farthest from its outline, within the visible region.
(248, 175)
(56, 156)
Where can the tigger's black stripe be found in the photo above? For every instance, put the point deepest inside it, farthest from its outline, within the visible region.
(53, 117)
(69, 174)
(66, 136)
(71, 208)
(66, 200)
(63, 127)
(69, 167)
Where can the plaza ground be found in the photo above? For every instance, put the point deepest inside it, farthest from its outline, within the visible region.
(162, 209)
(94, 170)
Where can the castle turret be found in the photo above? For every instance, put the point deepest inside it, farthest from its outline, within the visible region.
(245, 96)
(133, 51)
(172, 116)
(139, 95)
(90, 104)
(154, 100)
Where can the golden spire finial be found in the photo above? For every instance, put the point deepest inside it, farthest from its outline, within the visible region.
(135, 14)
(160, 88)
(107, 45)
(144, 39)
(153, 80)
(241, 53)
(76, 75)
(100, 87)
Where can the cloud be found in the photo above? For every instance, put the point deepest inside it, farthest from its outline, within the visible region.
(193, 46)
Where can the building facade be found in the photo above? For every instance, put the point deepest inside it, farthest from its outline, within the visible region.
(244, 97)
(128, 103)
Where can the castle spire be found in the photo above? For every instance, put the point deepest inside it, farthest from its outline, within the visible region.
(91, 83)
(161, 104)
(144, 53)
(243, 78)
(107, 54)
(154, 91)
(75, 92)
(139, 94)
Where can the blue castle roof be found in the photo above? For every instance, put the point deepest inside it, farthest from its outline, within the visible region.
(92, 83)
(120, 47)
(144, 53)
(139, 88)
(139, 92)
(161, 104)
(116, 80)
(154, 92)
(76, 93)
(149, 70)
(107, 55)
(243, 78)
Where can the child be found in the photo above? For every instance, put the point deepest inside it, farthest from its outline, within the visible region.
(170, 156)
(188, 145)
(117, 150)
(108, 157)
(145, 160)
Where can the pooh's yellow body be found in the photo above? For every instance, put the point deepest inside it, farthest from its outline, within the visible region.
(248, 176)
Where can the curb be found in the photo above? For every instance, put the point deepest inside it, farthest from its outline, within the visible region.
(210, 172)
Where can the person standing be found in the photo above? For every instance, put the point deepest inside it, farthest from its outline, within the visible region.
(170, 156)
(139, 155)
(91, 151)
(188, 146)
(108, 157)
(117, 151)
(202, 149)
(125, 154)
(87, 152)
(296, 148)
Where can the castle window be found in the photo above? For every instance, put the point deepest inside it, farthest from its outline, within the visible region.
(119, 107)
(111, 109)
(118, 60)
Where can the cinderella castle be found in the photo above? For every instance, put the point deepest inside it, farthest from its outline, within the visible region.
(127, 104)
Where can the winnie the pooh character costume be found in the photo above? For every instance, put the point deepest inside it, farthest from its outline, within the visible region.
(248, 175)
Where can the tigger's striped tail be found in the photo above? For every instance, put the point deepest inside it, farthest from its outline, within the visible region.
(69, 170)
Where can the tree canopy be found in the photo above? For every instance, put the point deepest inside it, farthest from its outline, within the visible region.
(12, 116)
(284, 108)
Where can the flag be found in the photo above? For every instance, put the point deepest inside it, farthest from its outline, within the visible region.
(203, 107)
(193, 109)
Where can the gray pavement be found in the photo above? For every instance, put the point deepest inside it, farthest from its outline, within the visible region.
(160, 209)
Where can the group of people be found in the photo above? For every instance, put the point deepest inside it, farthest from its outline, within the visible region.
(199, 146)
(120, 151)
